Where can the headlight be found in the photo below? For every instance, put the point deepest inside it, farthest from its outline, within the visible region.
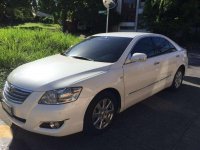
(60, 96)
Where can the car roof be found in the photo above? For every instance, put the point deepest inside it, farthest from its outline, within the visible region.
(135, 34)
(124, 34)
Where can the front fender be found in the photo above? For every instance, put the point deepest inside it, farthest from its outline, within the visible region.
(110, 79)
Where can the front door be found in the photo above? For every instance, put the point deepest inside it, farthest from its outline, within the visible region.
(140, 77)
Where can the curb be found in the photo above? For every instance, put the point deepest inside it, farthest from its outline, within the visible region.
(5, 132)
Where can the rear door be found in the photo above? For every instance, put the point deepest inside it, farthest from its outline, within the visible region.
(166, 55)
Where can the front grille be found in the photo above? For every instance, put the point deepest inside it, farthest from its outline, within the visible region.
(15, 94)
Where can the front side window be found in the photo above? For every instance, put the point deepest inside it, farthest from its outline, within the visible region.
(145, 46)
(100, 48)
(162, 45)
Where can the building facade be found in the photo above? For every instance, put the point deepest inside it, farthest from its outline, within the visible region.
(130, 11)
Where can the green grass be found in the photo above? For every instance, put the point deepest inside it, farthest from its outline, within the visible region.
(19, 46)
(55, 27)
(3, 75)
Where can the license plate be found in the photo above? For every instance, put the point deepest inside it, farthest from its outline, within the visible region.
(7, 108)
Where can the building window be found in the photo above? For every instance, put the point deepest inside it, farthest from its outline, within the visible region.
(142, 3)
(128, 10)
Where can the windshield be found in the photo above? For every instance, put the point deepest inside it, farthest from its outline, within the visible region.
(99, 48)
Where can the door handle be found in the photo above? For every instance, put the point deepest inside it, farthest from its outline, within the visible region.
(156, 63)
(177, 56)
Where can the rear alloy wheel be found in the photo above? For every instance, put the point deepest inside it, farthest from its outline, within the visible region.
(100, 113)
(178, 79)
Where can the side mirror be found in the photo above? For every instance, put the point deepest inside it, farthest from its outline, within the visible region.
(138, 57)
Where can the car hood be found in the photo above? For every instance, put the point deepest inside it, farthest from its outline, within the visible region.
(55, 72)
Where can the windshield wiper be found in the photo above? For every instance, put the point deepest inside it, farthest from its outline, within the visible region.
(84, 58)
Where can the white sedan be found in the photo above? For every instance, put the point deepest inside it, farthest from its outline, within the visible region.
(85, 87)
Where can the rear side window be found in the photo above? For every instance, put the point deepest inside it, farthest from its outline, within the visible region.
(145, 46)
(162, 46)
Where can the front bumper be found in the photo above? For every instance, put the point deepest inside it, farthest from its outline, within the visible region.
(30, 115)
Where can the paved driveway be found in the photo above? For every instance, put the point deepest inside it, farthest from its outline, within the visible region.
(165, 121)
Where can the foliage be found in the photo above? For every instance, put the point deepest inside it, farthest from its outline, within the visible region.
(77, 11)
(3, 75)
(65, 12)
(18, 46)
(175, 18)
(15, 10)
(2, 9)
(49, 7)
(54, 27)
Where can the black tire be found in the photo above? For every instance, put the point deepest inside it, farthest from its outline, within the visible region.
(178, 76)
(89, 127)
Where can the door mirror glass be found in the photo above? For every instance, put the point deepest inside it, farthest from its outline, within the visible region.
(138, 57)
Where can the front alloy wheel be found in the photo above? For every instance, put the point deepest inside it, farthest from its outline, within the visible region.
(100, 113)
(103, 114)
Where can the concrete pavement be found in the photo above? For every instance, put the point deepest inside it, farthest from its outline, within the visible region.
(166, 121)
(5, 135)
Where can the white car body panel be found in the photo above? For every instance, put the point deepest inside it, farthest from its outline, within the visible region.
(134, 82)
(40, 75)
(137, 76)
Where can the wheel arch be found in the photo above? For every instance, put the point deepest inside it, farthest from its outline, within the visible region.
(86, 126)
(183, 68)
(116, 93)
(112, 90)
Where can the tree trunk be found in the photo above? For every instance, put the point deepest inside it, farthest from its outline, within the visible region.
(64, 21)
(64, 26)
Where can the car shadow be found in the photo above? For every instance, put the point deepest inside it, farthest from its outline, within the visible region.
(194, 80)
(158, 123)
(194, 59)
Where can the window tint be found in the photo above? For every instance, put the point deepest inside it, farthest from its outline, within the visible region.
(100, 48)
(145, 46)
(163, 46)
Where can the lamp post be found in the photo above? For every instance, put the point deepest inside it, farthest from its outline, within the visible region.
(136, 15)
(107, 20)
(109, 4)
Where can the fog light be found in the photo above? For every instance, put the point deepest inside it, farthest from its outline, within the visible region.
(52, 124)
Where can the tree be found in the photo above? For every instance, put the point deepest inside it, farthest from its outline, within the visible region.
(20, 10)
(3, 6)
(59, 9)
(49, 7)
(73, 11)
(12, 10)
(87, 11)
(63, 6)
(175, 18)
